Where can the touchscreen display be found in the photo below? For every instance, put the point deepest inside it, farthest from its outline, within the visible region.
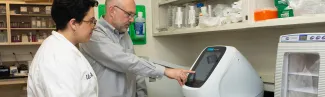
(204, 66)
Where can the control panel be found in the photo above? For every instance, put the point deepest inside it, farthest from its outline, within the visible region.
(303, 37)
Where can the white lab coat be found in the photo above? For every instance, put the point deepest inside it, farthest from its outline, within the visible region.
(60, 70)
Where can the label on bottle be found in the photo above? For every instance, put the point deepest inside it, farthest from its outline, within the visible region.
(35, 9)
(23, 9)
(34, 24)
(43, 24)
(48, 8)
(139, 28)
(38, 24)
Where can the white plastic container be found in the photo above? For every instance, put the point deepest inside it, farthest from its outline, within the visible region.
(179, 18)
(191, 17)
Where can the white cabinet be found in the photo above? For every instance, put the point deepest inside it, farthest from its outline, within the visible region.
(163, 17)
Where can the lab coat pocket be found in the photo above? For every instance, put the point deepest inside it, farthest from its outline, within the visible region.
(89, 82)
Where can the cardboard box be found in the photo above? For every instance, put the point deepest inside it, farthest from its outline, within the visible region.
(284, 13)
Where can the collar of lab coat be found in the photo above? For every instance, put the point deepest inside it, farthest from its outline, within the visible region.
(105, 24)
(64, 40)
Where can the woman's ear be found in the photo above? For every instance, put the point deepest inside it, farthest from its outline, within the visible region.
(73, 24)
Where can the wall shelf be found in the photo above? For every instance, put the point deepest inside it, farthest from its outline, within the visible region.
(25, 43)
(11, 18)
(303, 74)
(175, 2)
(13, 81)
(27, 3)
(32, 28)
(299, 20)
(20, 43)
(30, 15)
(163, 2)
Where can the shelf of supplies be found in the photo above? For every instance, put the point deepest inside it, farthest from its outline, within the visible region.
(31, 3)
(30, 15)
(20, 43)
(32, 28)
(281, 22)
(25, 43)
(310, 90)
(163, 2)
(13, 81)
(175, 2)
(303, 74)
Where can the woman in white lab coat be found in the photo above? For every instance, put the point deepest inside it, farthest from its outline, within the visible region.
(58, 68)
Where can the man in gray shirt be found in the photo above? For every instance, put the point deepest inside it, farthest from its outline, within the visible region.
(111, 54)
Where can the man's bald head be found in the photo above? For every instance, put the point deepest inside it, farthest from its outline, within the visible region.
(111, 2)
(120, 13)
(119, 2)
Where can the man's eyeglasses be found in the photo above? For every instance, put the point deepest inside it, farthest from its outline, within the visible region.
(130, 15)
(93, 21)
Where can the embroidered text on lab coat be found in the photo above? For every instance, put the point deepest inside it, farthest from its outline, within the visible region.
(90, 75)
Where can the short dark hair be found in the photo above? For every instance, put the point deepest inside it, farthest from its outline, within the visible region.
(65, 10)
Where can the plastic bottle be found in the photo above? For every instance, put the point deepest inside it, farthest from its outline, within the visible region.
(3, 36)
(204, 11)
(186, 15)
(30, 37)
(170, 16)
(191, 17)
(210, 10)
(140, 25)
(179, 17)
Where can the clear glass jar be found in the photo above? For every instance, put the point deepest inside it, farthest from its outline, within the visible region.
(38, 22)
(2, 9)
(48, 9)
(36, 10)
(44, 35)
(33, 22)
(40, 38)
(18, 38)
(30, 37)
(1, 25)
(50, 23)
(43, 23)
(3, 36)
(23, 10)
